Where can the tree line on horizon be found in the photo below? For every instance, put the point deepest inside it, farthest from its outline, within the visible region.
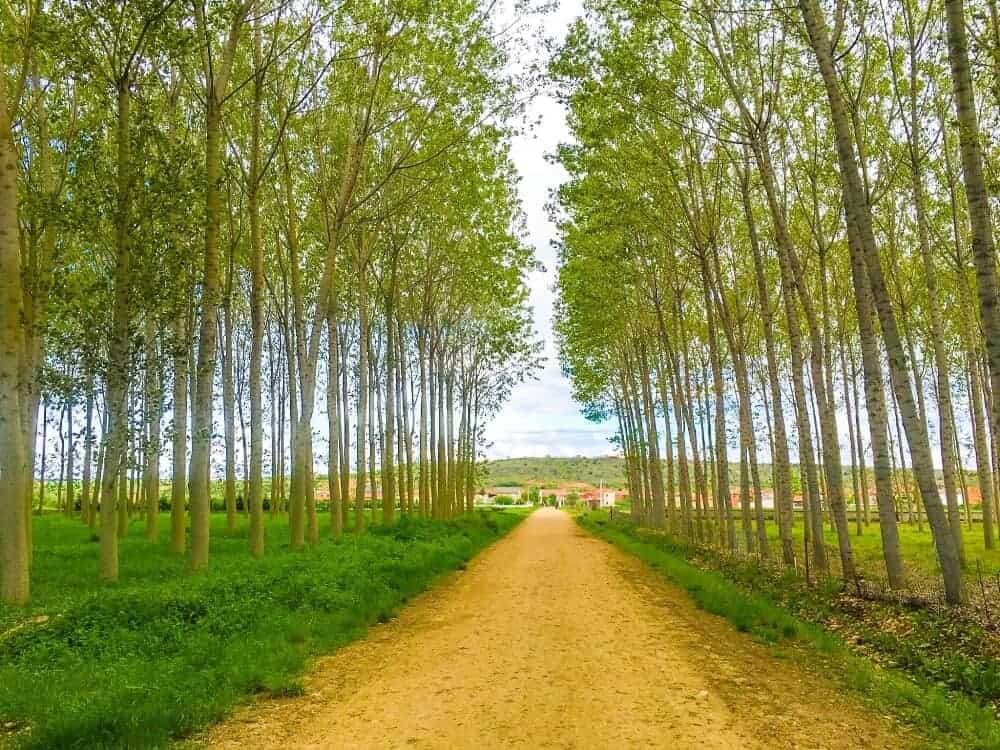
(791, 207)
(238, 212)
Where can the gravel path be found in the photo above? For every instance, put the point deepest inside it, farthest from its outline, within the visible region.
(554, 639)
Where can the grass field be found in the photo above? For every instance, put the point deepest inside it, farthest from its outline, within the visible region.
(917, 549)
(166, 652)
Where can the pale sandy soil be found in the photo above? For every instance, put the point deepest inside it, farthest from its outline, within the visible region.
(554, 639)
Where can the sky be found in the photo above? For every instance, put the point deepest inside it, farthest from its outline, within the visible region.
(541, 418)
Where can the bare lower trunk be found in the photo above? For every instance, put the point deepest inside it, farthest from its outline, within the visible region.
(88, 452)
(854, 442)
(686, 525)
(701, 484)
(333, 416)
(374, 410)
(345, 444)
(862, 468)
(454, 502)
(388, 451)
(229, 408)
(432, 478)
(153, 404)
(442, 456)
(362, 437)
(424, 481)
(983, 460)
(656, 471)
(669, 490)
(201, 428)
(406, 404)
(180, 408)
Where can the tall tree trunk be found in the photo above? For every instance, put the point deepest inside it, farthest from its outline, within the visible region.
(153, 403)
(405, 379)
(424, 486)
(180, 407)
(255, 494)
(781, 473)
(945, 433)
(345, 443)
(855, 443)
(655, 466)
(862, 468)
(70, 469)
(670, 488)
(229, 401)
(61, 471)
(701, 496)
(275, 408)
(15, 517)
(99, 474)
(362, 437)
(432, 430)
(980, 214)
(684, 480)
(333, 415)
(88, 450)
(118, 351)
(793, 282)
(373, 409)
(983, 460)
(211, 293)
(861, 233)
(400, 427)
(388, 453)
(442, 456)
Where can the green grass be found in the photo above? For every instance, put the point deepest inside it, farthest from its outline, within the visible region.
(917, 548)
(946, 718)
(166, 652)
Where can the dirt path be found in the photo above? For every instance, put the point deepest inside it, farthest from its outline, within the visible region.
(554, 639)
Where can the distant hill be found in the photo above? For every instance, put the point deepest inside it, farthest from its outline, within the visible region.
(550, 471)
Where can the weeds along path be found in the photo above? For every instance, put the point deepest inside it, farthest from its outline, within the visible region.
(554, 639)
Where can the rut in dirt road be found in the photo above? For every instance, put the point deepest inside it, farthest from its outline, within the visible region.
(554, 639)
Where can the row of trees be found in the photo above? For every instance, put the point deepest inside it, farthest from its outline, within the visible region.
(791, 207)
(228, 210)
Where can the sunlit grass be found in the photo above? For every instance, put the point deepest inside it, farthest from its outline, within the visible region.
(917, 548)
(165, 651)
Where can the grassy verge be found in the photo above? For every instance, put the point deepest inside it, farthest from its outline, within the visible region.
(166, 652)
(948, 718)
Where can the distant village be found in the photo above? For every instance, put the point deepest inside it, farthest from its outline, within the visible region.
(583, 495)
(571, 495)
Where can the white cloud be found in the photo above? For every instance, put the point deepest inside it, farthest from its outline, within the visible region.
(541, 417)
